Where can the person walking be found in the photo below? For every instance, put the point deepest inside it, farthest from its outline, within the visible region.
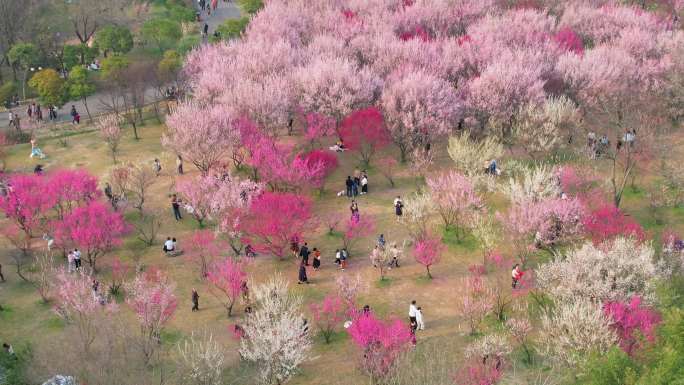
(175, 204)
(2, 277)
(302, 274)
(338, 257)
(419, 318)
(195, 300)
(10, 116)
(381, 241)
(157, 166)
(412, 312)
(354, 208)
(29, 112)
(71, 262)
(516, 275)
(77, 259)
(179, 165)
(356, 182)
(398, 207)
(364, 183)
(316, 259)
(343, 259)
(39, 113)
(304, 254)
(205, 30)
(74, 115)
(349, 184)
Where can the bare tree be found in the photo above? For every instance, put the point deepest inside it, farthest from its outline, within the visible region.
(87, 16)
(13, 15)
(140, 178)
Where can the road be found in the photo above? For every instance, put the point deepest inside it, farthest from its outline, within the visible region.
(225, 10)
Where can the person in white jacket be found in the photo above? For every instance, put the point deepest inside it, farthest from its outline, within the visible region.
(419, 319)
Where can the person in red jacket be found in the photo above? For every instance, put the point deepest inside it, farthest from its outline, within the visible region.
(516, 275)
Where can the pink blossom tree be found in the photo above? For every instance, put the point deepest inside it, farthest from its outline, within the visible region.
(150, 296)
(317, 166)
(203, 136)
(364, 131)
(119, 270)
(95, 229)
(388, 167)
(229, 278)
(328, 315)
(568, 40)
(355, 229)
(477, 372)
(455, 200)
(26, 202)
(632, 320)
(428, 251)
(318, 127)
(381, 343)
(419, 107)
(608, 222)
(198, 193)
(204, 247)
(110, 132)
(75, 302)
(476, 302)
(274, 219)
(68, 189)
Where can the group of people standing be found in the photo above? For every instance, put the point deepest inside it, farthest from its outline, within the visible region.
(73, 260)
(597, 147)
(356, 185)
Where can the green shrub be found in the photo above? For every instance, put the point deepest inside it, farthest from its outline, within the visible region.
(233, 28)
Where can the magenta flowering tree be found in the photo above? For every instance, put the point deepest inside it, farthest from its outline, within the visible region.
(479, 372)
(609, 222)
(364, 131)
(632, 321)
(455, 200)
(355, 229)
(68, 189)
(314, 167)
(274, 219)
(203, 248)
(428, 251)
(94, 229)
(318, 127)
(419, 107)
(380, 342)
(328, 315)
(203, 136)
(568, 40)
(26, 202)
(229, 278)
(150, 296)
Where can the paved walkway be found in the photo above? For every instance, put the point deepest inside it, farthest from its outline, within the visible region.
(225, 10)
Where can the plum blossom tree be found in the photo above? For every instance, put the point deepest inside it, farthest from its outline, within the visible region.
(387, 167)
(381, 343)
(520, 329)
(68, 189)
(203, 136)
(608, 222)
(475, 303)
(317, 127)
(532, 185)
(201, 360)
(110, 132)
(229, 278)
(317, 165)
(614, 271)
(355, 229)
(328, 315)
(335, 87)
(575, 329)
(471, 156)
(348, 289)
(275, 335)
(455, 199)
(150, 296)
(274, 219)
(364, 131)
(95, 229)
(631, 320)
(418, 108)
(119, 270)
(204, 247)
(428, 251)
(74, 302)
(198, 193)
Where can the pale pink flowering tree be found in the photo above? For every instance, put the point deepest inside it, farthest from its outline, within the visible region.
(348, 290)
(110, 132)
(150, 296)
(388, 167)
(428, 251)
(317, 127)
(520, 330)
(76, 303)
(476, 372)
(381, 343)
(95, 229)
(203, 136)
(364, 131)
(632, 320)
(119, 270)
(203, 248)
(335, 87)
(476, 302)
(328, 315)
(274, 219)
(355, 229)
(198, 193)
(418, 108)
(229, 278)
(455, 200)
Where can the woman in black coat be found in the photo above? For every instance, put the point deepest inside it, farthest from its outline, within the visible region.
(302, 273)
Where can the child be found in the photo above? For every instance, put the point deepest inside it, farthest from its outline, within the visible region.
(419, 319)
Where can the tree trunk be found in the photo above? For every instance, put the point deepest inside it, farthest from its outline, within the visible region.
(90, 118)
(428, 272)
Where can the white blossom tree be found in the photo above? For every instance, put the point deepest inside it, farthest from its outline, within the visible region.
(539, 129)
(614, 271)
(200, 360)
(532, 185)
(575, 329)
(275, 335)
